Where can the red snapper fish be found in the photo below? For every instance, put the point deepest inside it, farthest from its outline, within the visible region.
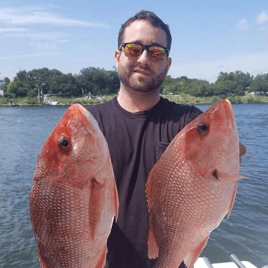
(193, 186)
(73, 199)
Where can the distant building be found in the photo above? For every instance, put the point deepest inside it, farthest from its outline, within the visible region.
(252, 93)
(1, 92)
(246, 89)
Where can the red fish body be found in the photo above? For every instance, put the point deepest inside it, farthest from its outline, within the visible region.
(193, 187)
(74, 199)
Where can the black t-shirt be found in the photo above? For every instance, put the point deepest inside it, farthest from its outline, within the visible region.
(136, 141)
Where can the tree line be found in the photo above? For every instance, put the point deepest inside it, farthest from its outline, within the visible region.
(96, 81)
(90, 80)
(227, 84)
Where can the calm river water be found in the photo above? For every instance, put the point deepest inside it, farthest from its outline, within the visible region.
(22, 133)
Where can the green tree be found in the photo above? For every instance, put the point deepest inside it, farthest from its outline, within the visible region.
(241, 79)
(164, 87)
(200, 89)
(224, 88)
(17, 89)
(6, 82)
(260, 83)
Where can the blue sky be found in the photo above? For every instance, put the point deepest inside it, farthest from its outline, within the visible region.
(209, 37)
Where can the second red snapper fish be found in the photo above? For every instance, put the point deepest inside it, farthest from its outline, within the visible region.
(73, 199)
(193, 186)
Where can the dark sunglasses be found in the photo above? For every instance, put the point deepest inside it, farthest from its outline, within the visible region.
(155, 52)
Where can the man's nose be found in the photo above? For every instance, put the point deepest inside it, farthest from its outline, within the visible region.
(144, 57)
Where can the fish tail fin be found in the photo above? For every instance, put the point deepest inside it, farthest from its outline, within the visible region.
(153, 249)
(193, 256)
(102, 260)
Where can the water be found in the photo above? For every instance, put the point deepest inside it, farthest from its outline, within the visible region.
(22, 133)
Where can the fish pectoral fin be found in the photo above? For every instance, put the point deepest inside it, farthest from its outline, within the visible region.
(227, 176)
(103, 199)
(102, 260)
(116, 202)
(153, 249)
(193, 256)
(232, 202)
(95, 206)
(42, 262)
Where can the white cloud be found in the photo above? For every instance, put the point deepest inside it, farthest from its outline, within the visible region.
(33, 16)
(28, 55)
(35, 36)
(6, 68)
(13, 30)
(254, 64)
(262, 18)
(243, 24)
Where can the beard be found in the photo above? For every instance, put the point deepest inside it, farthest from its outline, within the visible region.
(146, 84)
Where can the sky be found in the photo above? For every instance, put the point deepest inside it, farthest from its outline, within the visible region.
(208, 37)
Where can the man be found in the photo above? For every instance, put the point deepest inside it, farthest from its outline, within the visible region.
(138, 125)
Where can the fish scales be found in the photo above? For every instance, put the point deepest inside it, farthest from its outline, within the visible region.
(192, 187)
(74, 199)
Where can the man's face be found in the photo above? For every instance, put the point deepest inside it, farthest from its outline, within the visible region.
(142, 74)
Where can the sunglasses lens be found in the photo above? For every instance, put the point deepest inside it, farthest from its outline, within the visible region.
(133, 50)
(157, 53)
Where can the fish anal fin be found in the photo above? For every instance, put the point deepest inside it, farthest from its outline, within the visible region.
(153, 249)
(232, 202)
(102, 260)
(193, 256)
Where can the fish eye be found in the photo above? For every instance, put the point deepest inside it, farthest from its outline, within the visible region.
(64, 144)
(203, 128)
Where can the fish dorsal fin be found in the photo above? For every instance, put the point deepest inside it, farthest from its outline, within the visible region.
(193, 256)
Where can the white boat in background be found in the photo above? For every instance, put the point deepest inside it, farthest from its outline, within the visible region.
(204, 262)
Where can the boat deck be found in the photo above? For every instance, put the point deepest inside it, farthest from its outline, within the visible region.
(235, 263)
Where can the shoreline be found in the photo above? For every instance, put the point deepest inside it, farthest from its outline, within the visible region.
(184, 99)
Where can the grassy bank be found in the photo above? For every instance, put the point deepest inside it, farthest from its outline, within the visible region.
(188, 99)
(83, 100)
(182, 99)
(18, 101)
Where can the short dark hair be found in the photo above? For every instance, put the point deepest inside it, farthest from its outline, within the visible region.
(152, 19)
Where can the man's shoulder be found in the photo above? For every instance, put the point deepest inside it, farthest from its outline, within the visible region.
(101, 109)
(176, 110)
(99, 106)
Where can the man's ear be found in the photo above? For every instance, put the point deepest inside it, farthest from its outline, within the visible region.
(169, 62)
(116, 57)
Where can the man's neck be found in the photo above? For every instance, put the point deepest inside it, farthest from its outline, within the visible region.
(134, 102)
